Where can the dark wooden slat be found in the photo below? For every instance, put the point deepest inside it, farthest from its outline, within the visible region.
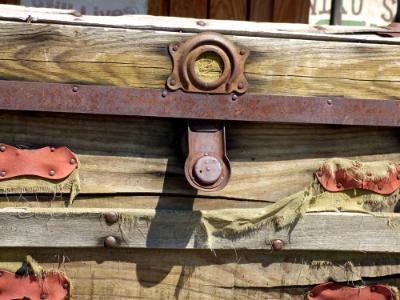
(228, 9)
(189, 9)
(261, 10)
(158, 7)
(17, 2)
(291, 11)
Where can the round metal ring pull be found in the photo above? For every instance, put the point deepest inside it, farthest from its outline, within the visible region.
(208, 63)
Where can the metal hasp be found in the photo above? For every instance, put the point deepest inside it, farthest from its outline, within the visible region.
(208, 63)
(207, 167)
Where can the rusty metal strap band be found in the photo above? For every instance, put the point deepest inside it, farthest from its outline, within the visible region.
(111, 100)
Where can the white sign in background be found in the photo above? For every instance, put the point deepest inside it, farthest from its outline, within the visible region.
(356, 12)
(94, 7)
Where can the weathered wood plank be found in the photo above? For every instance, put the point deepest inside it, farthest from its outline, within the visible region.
(171, 229)
(137, 155)
(228, 9)
(91, 55)
(57, 16)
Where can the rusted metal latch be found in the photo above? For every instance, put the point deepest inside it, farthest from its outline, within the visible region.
(208, 63)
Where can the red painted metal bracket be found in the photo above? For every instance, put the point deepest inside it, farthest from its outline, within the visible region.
(49, 162)
(335, 291)
(334, 177)
(53, 286)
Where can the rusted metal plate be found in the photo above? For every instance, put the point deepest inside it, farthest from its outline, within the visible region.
(53, 286)
(111, 100)
(48, 162)
(231, 65)
(336, 177)
(335, 291)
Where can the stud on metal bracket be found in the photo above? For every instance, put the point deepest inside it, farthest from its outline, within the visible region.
(208, 63)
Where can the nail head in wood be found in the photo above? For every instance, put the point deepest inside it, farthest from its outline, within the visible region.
(277, 244)
(111, 217)
(110, 241)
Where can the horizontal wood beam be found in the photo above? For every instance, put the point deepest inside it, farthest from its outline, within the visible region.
(172, 229)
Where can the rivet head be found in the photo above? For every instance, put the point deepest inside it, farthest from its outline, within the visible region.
(52, 149)
(164, 93)
(235, 97)
(329, 101)
(339, 185)
(242, 51)
(42, 296)
(369, 173)
(72, 161)
(52, 172)
(240, 85)
(398, 176)
(207, 170)
(201, 23)
(310, 294)
(319, 173)
(3, 173)
(111, 217)
(3, 148)
(373, 288)
(110, 241)
(175, 47)
(172, 82)
(66, 285)
(380, 186)
(1, 273)
(74, 88)
(277, 244)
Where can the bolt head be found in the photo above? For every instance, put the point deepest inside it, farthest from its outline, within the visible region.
(175, 47)
(66, 285)
(72, 161)
(339, 185)
(329, 101)
(52, 149)
(42, 296)
(74, 88)
(207, 170)
(111, 217)
(373, 288)
(52, 172)
(320, 173)
(380, 186)
(277, 244)
(110, 241)
(235, 97)
(242, 51)
(3, 173)
(3, 148)
(201, 23)
(240, 85)
(172, 82)
(164, 93)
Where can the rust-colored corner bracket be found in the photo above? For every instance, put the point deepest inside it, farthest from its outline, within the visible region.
(339, 174)
(218, 50)
(207, 167)
(335, 291)
(49, 162)
(53, 286)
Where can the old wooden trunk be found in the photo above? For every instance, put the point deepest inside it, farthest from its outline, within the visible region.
(133, 166)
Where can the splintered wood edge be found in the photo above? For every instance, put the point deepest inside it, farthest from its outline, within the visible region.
(147, 22)
(172, 229)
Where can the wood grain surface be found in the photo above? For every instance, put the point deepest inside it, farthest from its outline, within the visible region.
(91, 55)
